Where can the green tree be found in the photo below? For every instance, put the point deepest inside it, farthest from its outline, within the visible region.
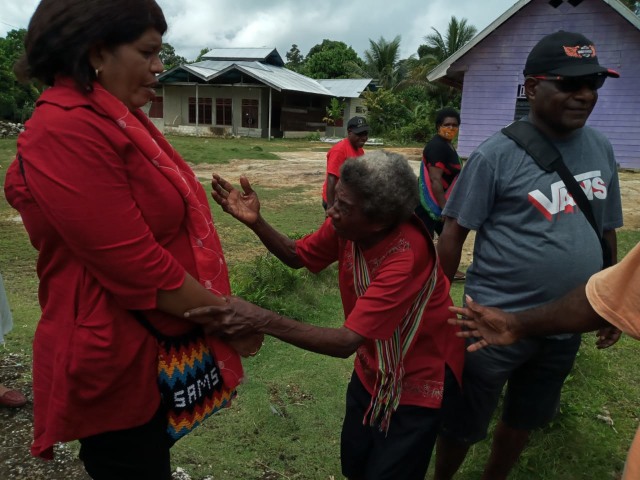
(438, 48)
(632, 5)
(385, 111)
(295, 59)
(17, 100)
(382, 62)
(331, 59)
(203, 52)
(169, 57)
(403, 115)
(335, 111)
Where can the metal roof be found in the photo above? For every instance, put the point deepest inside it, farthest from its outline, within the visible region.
(274, 76)
(281, 78)
(441, 70)
(346, 87)
(264, 54)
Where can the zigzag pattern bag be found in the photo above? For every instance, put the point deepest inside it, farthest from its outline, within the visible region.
(189, 379)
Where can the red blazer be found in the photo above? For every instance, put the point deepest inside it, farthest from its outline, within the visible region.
(109, 230)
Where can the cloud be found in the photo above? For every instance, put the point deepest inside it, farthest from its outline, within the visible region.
(198, 24)
(15, 15)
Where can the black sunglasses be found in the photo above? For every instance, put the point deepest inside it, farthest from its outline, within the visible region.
(574, 84)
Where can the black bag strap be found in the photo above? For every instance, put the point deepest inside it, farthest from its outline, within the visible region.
(21, 165)
(161, 337)
(147, 324)
(549, 158)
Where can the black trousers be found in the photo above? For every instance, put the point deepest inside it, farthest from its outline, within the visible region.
(402, 453)
(139, 453)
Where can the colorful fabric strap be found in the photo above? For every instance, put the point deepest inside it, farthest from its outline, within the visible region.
(391, 352)
(427, 198)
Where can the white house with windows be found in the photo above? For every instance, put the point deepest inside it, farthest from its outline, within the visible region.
(350, 92)
(249, 92)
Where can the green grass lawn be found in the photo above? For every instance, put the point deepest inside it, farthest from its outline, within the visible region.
(286, 421)
(221, 150)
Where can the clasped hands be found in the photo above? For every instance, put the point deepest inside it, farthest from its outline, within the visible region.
(237, 323)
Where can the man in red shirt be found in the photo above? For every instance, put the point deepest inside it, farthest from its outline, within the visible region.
(357, 136)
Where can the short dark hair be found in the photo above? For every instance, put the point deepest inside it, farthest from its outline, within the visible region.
(444, 113)
(385, 184)
(61, 34)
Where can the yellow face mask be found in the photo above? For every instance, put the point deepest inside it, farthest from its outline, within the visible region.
(448, 133)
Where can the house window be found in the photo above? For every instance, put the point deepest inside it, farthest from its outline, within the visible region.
(250, 113)
(360, 109)
(522, 104)
(156, 110)
(223, 111)
(204, 110)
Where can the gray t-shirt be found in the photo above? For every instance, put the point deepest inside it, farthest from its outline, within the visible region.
(533, 244)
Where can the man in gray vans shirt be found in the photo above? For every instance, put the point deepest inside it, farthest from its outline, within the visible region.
(533, 245)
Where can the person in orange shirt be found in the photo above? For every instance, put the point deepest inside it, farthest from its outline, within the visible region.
(611, 296)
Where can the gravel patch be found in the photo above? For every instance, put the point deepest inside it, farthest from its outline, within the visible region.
(16, 435)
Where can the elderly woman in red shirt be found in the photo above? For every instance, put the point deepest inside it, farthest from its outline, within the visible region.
(395, 300)
(121, 224)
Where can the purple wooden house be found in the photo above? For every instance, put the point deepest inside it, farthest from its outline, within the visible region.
(489, 69)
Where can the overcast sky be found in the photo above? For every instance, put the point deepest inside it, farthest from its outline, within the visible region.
(197, 24)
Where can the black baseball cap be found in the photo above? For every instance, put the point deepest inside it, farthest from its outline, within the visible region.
(358, 125)
(566, 54)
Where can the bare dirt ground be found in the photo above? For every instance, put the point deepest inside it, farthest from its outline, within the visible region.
(304, 169)
(307, 169)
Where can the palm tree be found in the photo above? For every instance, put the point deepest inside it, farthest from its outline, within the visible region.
(632, 5)
(382, 62)
(438, 48)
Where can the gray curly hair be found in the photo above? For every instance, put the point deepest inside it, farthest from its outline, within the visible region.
(385, 184)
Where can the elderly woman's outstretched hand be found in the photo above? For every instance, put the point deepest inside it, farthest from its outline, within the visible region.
(491, 326)
(243, 206)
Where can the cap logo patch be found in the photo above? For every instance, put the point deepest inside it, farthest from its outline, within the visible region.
(584, 51)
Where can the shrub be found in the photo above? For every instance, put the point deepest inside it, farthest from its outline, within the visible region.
(313, 137)
(419, 130)
(263, 279)
(385, 112)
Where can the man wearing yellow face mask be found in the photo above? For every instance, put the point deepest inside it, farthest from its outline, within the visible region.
(438, 172)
